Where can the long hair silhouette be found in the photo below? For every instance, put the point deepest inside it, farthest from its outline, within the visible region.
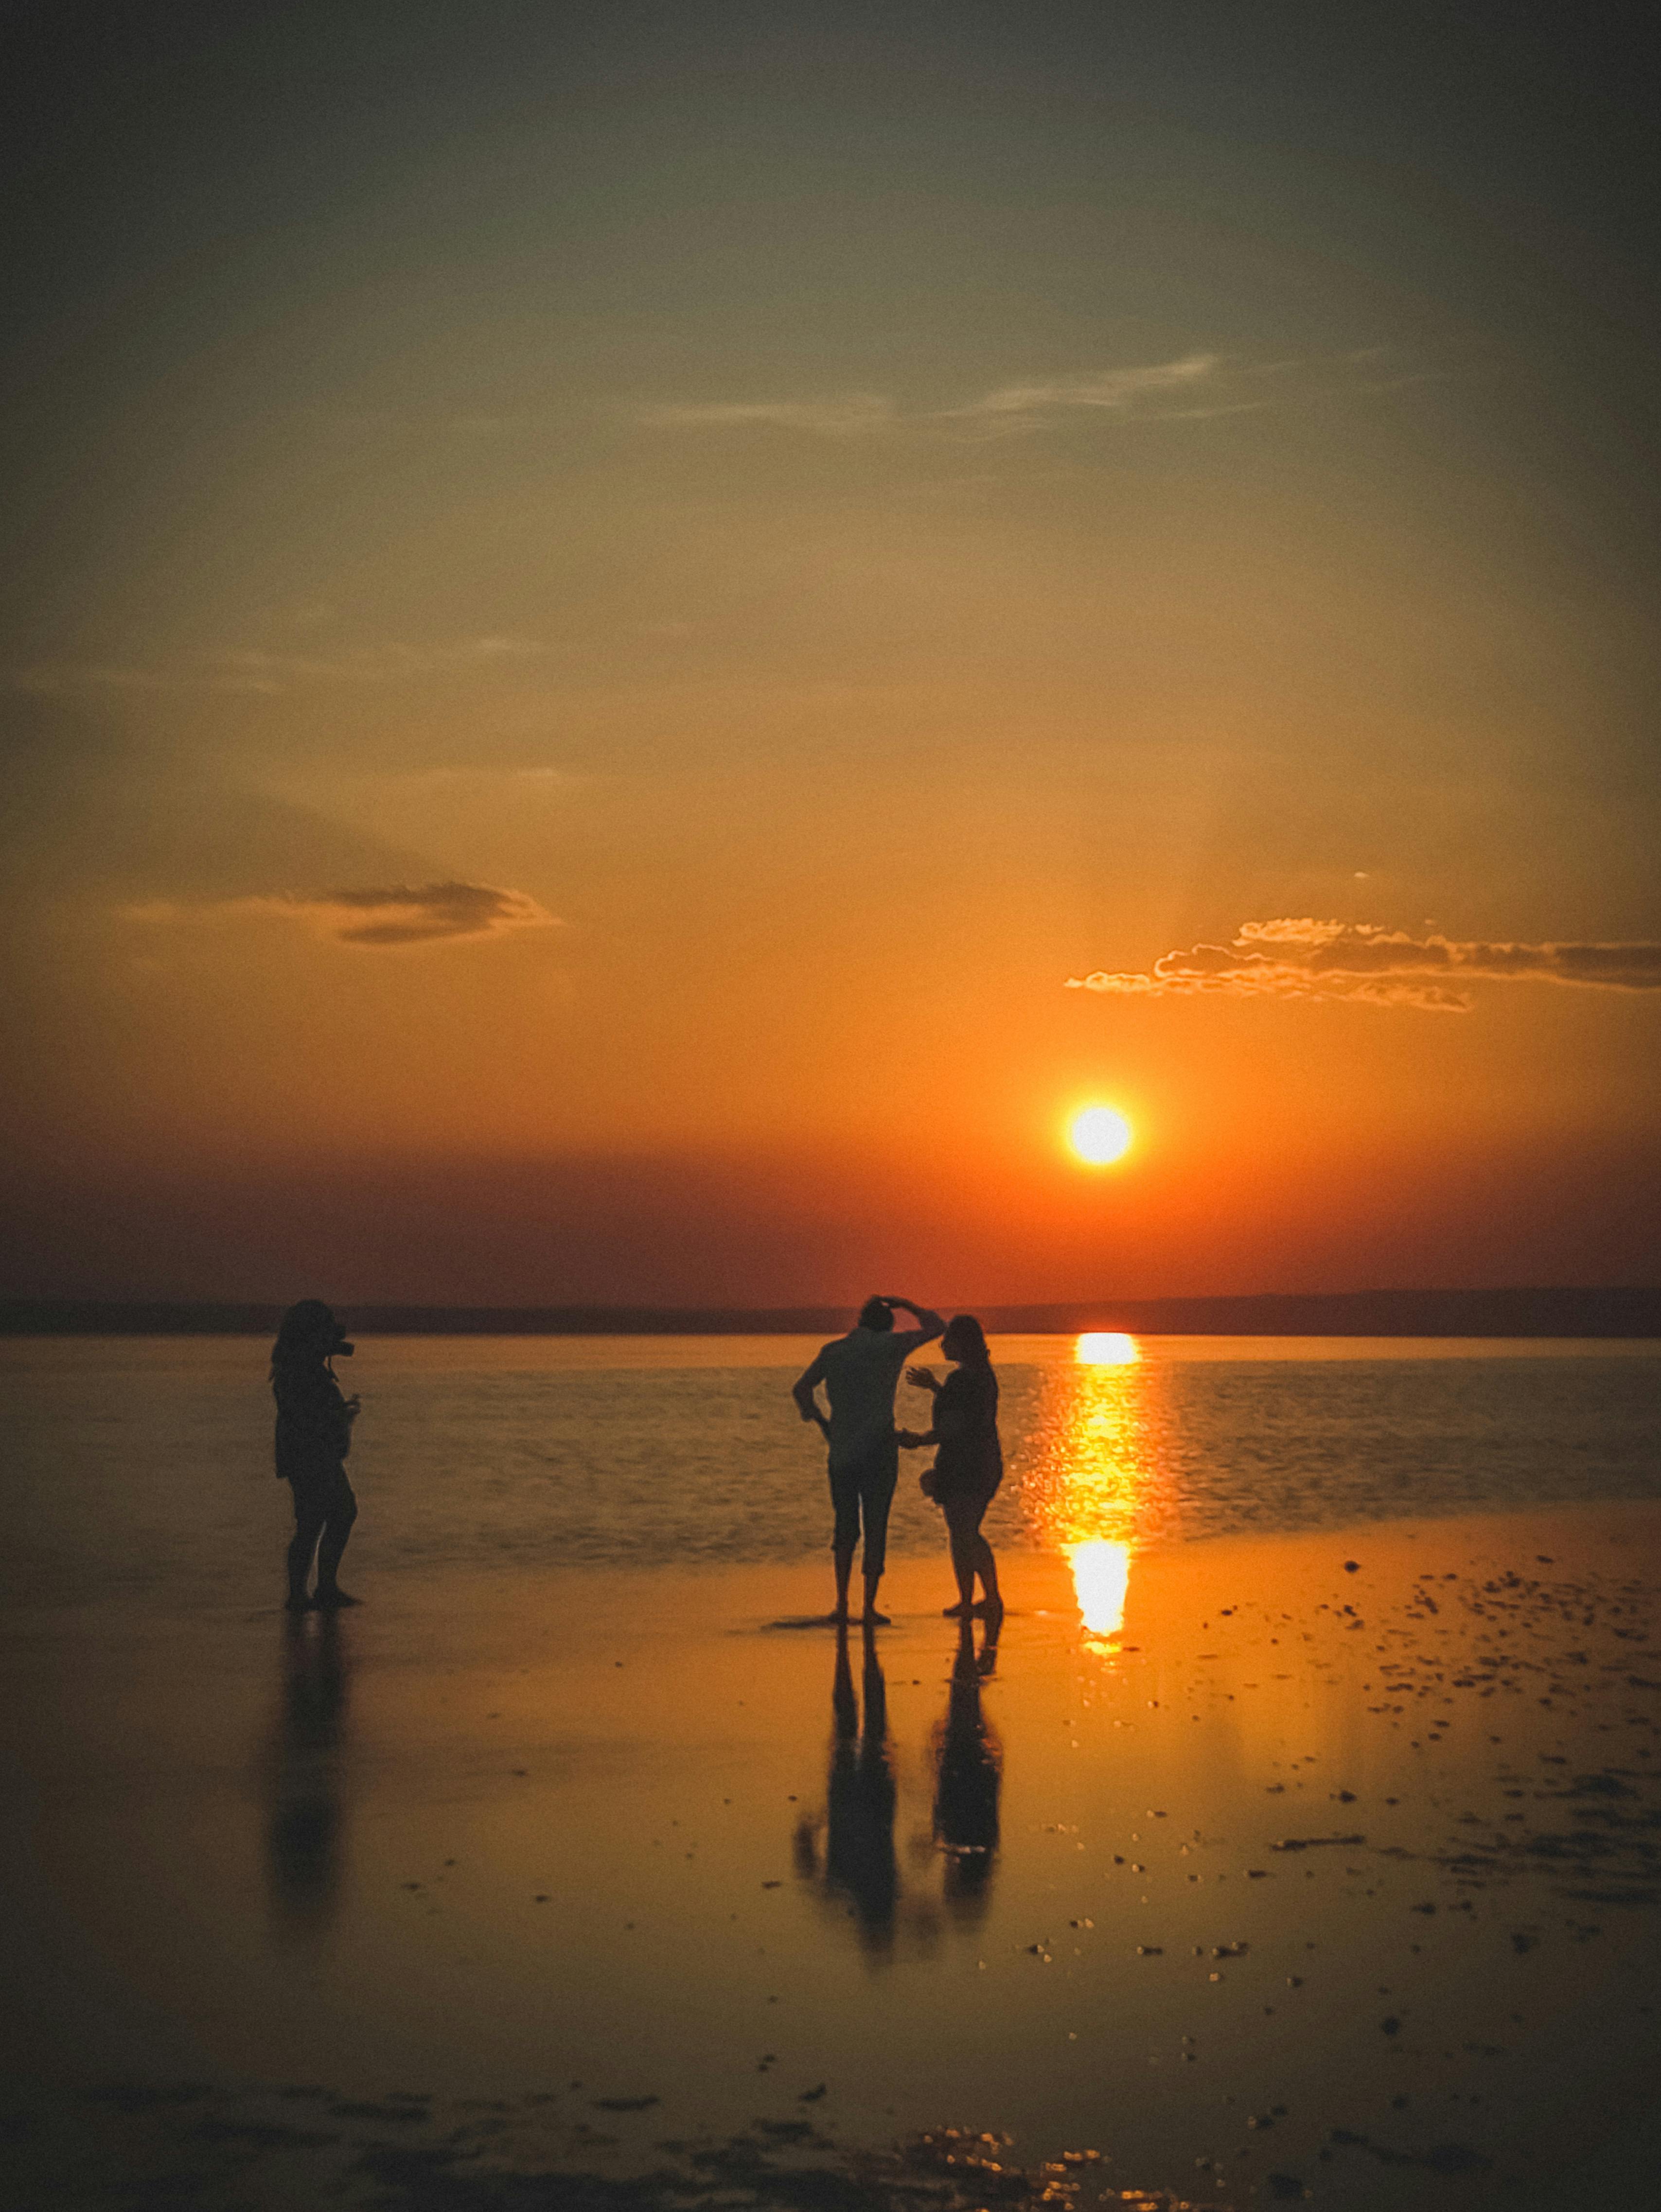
(307, 1331)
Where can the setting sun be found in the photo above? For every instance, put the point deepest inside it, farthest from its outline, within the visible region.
(1100, 1136)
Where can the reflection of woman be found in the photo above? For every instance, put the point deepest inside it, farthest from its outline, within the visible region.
(313, 1435)
(969, 1462)
(303, 1835)
(968, 1774)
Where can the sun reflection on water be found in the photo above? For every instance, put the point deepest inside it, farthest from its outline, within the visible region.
(1091, 1492)
(1101, 1575)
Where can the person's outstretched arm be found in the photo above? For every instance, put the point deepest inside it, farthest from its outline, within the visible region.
(802, 1391)
(930, 1324)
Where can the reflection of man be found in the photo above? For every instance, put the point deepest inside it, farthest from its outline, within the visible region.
(860, 1372)
(860, 1800)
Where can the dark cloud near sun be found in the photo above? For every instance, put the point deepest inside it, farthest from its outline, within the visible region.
(1303, 959)
(385, 916)
(405, 914)
(96, 823)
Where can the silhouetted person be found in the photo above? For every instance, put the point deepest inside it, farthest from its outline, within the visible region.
(969, 1462)
(313, 1435)
(302, 1842)
(860, 1800)
(968, 1776)
(860, 1372)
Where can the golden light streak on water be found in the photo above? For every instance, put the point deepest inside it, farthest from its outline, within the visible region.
(1101, 1578)
(1092, 1492)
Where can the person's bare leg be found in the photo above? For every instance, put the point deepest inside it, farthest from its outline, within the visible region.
(875, 1499)
(842, 1556)
(987, 1567)
(871, 1617)
(336, 1529)
(963, 1566)
(304, 1543)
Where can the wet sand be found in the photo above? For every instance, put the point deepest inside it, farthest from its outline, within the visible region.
(1303, 1882)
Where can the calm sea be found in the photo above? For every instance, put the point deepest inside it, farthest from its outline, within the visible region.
(140, 1467)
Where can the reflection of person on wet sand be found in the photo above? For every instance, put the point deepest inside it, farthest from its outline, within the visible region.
(313, 1435)
(968, 1775)
(303, 1839)
(859, 1799)
(969, 1464)
(860, 1372)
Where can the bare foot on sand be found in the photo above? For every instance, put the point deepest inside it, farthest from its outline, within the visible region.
(871, 1619)
(956, 1612)
(837, 1617)
(297, 1601)
(330, 1601)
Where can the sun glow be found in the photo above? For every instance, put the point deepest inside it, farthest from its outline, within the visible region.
(1094, 1490)
(1100, 1136)
(1101, 1576)
(1105, 1347)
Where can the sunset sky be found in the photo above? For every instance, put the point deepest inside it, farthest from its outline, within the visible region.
(641, 643)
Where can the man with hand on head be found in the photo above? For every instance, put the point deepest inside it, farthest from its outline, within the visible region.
(860, 1372)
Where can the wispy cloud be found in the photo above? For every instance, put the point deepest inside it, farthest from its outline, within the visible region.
(254, 670)
(857, 416)
(53, 679)
(393, 915)
(1303, 959)
(1195, 387)
(1118, 391)
(391, 662)
(1009, 408)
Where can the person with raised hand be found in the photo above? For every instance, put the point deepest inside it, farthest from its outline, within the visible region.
(860, 1372)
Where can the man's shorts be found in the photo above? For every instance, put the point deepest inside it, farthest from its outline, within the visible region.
(862, 1490)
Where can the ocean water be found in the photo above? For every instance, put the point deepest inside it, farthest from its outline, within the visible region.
(140, 1467)
(550, 1855)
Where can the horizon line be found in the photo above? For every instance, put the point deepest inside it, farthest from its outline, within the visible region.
(1593, 1310)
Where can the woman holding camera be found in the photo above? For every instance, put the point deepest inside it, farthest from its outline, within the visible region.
(313, 1435)
(968, 1463)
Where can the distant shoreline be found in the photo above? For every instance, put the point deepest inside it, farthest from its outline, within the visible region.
(1516, 1313)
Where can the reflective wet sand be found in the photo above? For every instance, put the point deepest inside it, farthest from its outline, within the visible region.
(1239, 1866)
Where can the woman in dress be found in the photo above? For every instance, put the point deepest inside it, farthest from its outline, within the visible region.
(969, 1462)
(313, 1435)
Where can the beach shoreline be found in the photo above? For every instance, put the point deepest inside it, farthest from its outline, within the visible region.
(491, 1838)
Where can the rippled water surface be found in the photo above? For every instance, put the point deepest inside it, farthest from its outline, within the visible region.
(143, 1465)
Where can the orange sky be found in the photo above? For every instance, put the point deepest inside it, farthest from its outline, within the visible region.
(818, 533)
